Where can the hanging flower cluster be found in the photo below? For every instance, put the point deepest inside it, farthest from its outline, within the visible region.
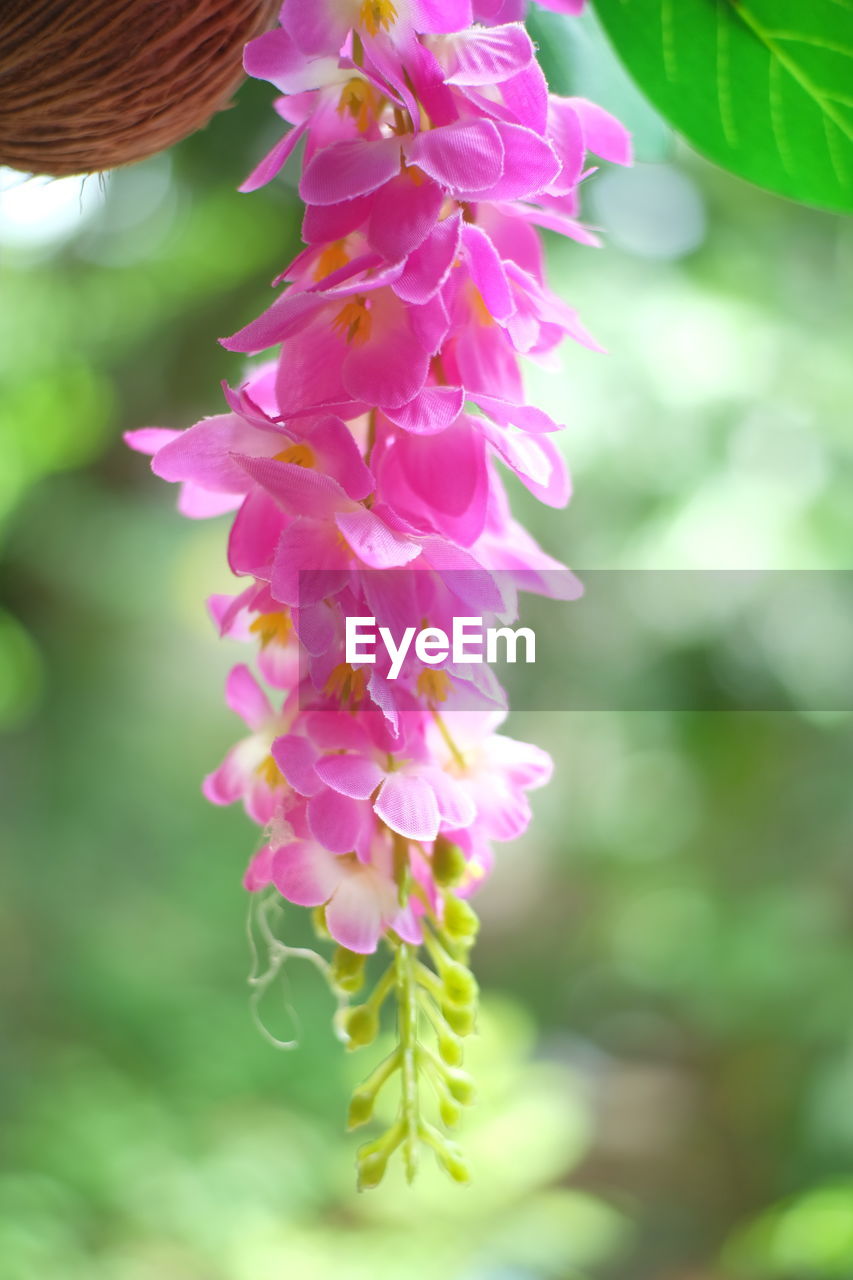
(361, 464)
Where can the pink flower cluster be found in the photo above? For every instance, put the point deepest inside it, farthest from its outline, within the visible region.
(361, 460)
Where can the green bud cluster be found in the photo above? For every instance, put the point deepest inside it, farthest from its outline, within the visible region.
(433, 991)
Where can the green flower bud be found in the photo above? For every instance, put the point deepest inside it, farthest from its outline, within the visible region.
(450, 1112)
(459, 1020)
(348, 970)
(450, 1049)
(361, 1025)
(448, 862)
(461, 1086)
(460, 921)
(360, 1110)
(455, 1164)
(371, 1170)
(460, 986)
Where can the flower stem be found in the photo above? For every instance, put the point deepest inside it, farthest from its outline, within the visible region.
(407, 1025)
(451, 745)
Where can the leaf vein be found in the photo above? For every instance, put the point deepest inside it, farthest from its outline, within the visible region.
(777, 112)
(782, 59)
(667, 24)
(816, 42)
(835, 155)
(724, 77)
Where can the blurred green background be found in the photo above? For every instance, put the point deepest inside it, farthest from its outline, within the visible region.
(666, 1056)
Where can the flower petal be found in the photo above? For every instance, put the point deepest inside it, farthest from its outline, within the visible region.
(432, 410)
(357, 911)
(375, 544)
(245, 696)
(484, 56)
(464, 157)
(403, 215)
(202, 454)
(525, 416)
(530, 163)
(392, 366)
(310, 564)
(259, 871)
(296, 757)
(336, 820)
(407, 804)
(603, 133)
(348, 169)
(225, 785)
(274, 161)
(428, 267)
(455, 805)
(300, 491)
(306, 873)
(150, 439)
(254, 534)
(487, 272)
(350, 775)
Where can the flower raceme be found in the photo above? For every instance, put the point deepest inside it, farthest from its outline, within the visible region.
(362, 463)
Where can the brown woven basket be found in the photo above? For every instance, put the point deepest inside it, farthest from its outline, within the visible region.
(87, 85)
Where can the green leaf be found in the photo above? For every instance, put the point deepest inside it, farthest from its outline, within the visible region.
(762, 87)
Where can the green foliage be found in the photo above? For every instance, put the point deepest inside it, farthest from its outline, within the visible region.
(807, 1235)
(762, 87)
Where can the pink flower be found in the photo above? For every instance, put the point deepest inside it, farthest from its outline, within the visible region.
(249, 772)
(194, 500)
(494, 771)
(342, 767)
(360, 899)
(254, 616)
(207, 455)
(354, 340)
(414, 799)
(322, 26)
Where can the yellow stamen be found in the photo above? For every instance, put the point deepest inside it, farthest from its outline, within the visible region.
(299, 455)
(343, 544)
(347, 684)
(377, 15)
(332, 257)
(433, 685)
(360, 100)
(354, 320)
(481, 311)
(270, 772)
(272, 628)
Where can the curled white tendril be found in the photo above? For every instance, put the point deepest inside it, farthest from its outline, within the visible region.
(273, 953)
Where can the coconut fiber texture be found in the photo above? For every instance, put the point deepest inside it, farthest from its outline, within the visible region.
(87, 85)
